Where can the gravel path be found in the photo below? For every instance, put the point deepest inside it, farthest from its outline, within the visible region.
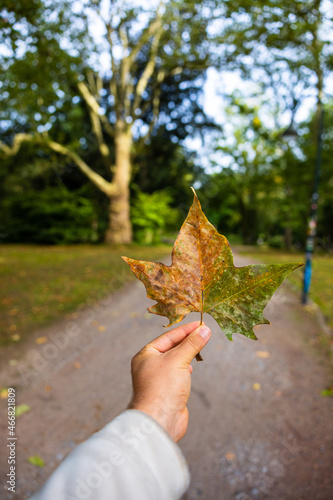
(258, 427)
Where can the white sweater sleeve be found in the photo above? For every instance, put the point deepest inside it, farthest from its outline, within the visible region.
(132, 457)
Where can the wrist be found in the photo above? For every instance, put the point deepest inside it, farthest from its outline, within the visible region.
(159, 415)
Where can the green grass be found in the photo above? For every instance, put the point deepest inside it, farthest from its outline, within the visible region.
(321, 291)
(41, 284)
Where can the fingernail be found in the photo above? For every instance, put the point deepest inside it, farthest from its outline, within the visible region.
(205, 332)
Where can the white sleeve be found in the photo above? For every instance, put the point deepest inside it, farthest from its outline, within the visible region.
(132, 457)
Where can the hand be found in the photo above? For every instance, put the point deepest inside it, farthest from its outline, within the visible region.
(161, 375)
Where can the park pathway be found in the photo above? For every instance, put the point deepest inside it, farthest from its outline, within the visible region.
(259, 428)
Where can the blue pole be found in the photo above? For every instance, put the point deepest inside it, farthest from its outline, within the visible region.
(312, 224)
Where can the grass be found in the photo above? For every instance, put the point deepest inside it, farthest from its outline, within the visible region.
(41, 284)
(321, 291)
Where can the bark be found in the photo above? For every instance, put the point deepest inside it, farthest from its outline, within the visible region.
(120, 228)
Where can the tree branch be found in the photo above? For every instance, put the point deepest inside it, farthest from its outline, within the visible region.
(16, 145)
(103, 185)
(113, 81)
(96, 118)
(156, 104)
(106, 187)
(147, 33)
(148, 71)
(95, 107)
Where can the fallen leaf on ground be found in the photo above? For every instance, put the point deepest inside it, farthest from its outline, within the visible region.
(327, 392)
(3, 393)
(202, 278)
(77, 365)
(41, 340)
(36, 460)
(230, 456)
(21, 409)
(263, 354)
(16, 337)
(47, 388)
(256, 386)
(101, 328)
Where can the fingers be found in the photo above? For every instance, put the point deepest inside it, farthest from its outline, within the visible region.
(193, 343)
(173, 337)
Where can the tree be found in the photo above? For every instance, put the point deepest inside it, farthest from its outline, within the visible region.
(149, 51)
(286, 49)
(248, 182)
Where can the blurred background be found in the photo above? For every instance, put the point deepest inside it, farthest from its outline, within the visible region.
(110, 111)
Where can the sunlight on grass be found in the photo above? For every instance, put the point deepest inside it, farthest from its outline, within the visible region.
(41, 284)
(321, 291)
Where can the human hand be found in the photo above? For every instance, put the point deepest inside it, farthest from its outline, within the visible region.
(161, 376)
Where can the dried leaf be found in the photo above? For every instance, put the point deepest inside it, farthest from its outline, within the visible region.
(3, 393)
(41, 340)
(256, 386)
(263, 354)
(202, 278)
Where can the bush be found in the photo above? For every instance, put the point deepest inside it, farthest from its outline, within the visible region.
(276, 241)
(152, 216)
(52, 216)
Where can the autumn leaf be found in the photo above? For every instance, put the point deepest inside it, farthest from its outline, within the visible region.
(202, 278)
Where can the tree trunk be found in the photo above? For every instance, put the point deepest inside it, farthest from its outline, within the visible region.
(120, 228)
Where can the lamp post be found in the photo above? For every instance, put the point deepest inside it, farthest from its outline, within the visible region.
(291, 134)
(312, 222)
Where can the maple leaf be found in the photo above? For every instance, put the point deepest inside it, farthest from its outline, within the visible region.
(202, 278)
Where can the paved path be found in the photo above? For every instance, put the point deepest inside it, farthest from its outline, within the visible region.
(258, 427)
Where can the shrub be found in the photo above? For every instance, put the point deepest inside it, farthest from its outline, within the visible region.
(152, 216)
(52, 216)
(276, 241)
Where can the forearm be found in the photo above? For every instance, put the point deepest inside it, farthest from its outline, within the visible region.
(132, 457)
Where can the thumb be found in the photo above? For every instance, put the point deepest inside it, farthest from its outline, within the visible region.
(193, 343)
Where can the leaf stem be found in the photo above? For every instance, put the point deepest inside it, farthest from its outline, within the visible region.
(198, 356)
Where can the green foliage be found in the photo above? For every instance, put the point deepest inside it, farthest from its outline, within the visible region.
(265, 188)
(276, 241)
(152, 216)
(163, 164)
(282, 45)
(53, 216)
